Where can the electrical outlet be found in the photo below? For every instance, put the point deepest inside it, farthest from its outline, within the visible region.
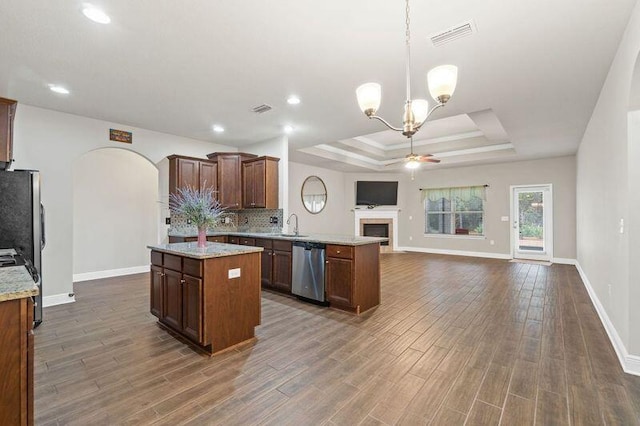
(275, 220)
(188, 221)
(410, 238)
(492, 242)
(234, 273)
(167, 221)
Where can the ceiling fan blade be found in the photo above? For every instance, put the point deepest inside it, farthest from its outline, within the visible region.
(428, 160)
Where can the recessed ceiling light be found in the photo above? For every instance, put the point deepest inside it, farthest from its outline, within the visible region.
(293, 100)
(58, 89)
(96, 15)
(218, 129)
(288, 129)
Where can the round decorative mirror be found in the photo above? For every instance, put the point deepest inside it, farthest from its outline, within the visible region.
(314, 194)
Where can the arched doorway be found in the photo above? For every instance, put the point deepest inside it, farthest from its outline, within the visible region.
(115, 212)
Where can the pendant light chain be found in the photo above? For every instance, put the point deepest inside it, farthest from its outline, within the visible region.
(408, 42)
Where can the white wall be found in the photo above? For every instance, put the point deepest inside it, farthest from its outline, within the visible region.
(560, 172)
(50, 141)
(336, 217)
(604, 168)
(115, 210)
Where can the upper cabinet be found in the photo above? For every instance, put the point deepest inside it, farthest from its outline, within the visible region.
(260, 183)
(230, 177)
(7, 113)
(192, 172)
(241, 180)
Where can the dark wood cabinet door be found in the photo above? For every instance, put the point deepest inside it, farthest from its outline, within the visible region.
(188, 173)
(282, 270)
(209, 176)
(339, 281)
(259, 176)
(248, 185)
(172, 298)
(7, 113)
(192, 307)
(229, 185)
(156, 291)
(267, 267)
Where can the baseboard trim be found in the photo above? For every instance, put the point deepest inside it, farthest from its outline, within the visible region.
(630, 363)
(57, 299)
(563, 261)
(87, 276)
(457, 252)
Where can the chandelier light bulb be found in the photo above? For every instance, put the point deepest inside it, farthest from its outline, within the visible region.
(420, 108)
(369, 97)
(442, 82)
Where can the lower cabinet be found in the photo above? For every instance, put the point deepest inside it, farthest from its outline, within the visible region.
(352, 276)
(176, 299)
(276, 264)
(16, 362)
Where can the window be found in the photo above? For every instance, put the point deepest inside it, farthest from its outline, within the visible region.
(454, 211)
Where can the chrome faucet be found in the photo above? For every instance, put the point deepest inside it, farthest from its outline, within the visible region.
(295, 229)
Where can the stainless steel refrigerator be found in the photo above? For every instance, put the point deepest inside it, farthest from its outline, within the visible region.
(22, 222)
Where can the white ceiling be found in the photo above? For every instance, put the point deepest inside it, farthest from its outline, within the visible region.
(534, 69)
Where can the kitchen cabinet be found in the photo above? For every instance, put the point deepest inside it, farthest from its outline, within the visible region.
(175, 295)
(275, 264)
(245, 241)
(7, 114)
(210, 238)
(260, 183)
(352, 276)
(16, 362)
(200, 301)
(230, 177)
(191, 172)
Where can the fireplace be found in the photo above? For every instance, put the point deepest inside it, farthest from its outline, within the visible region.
(376, 230)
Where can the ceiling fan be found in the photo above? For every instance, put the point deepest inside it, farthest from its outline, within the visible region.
(413, 160)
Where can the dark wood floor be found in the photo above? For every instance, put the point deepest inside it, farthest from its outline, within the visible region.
(455, 340)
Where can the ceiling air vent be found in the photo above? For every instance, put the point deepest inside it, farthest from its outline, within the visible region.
(453, 33)
(261, 108)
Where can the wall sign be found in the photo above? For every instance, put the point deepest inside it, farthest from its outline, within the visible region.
(120, 136)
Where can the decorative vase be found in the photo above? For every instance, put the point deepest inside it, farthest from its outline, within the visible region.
(202, 236)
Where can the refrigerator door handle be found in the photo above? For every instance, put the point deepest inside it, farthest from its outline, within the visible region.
(42, 238)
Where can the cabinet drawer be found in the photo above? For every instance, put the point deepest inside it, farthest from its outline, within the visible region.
(282, 245)
(192, 267)
(172, 262)
(234, 240)
(343, 252)
(156, 258)
(217, 239)
(261, 242)
(247, 241)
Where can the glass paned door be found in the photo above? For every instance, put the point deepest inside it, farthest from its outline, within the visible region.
(532, 223)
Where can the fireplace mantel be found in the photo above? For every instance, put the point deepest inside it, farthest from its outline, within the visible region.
(379, 213)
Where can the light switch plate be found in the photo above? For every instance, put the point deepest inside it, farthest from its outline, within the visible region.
(234, 273)
(505, 218)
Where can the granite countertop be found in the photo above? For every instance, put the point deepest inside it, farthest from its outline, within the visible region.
(211, 250)
(16, 283)
(348, 240)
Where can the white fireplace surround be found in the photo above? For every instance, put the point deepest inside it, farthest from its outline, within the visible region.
(390, 214)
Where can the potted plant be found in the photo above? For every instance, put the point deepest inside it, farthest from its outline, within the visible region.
(198, 206)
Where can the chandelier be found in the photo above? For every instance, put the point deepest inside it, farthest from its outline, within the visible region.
(441, 81)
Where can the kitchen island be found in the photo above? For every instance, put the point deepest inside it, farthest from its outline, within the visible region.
(16, 340)
(210, 295)
(352, 264)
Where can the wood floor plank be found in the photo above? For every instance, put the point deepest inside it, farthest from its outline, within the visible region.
(455, 340)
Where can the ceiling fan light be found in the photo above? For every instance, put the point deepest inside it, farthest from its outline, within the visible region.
(442, 82)
(412, 164)
(420, 108)
(369, 97)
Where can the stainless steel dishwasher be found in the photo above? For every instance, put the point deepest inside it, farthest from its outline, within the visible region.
(307, 279)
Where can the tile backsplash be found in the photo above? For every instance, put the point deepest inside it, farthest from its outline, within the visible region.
(249, 220)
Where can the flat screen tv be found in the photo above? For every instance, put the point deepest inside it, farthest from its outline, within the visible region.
(371, 193)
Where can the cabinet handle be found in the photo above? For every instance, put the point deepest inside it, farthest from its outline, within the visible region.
(337, 251)
(160, 273)
(326, 261)
(182, 281)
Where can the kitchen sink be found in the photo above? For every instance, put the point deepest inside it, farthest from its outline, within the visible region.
(292, 235)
